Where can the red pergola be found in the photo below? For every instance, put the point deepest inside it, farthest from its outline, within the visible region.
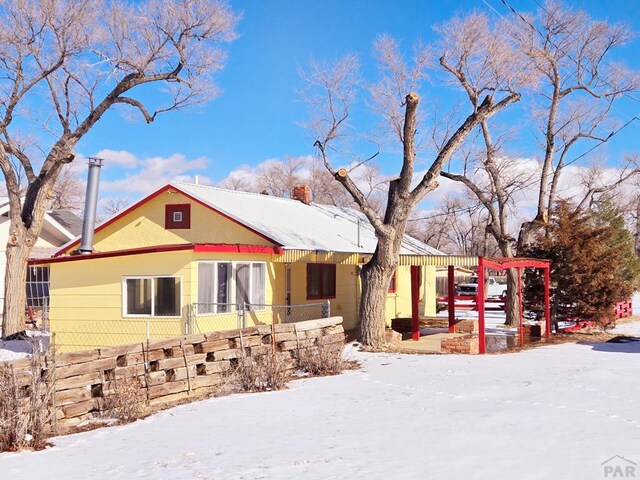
(483, 263)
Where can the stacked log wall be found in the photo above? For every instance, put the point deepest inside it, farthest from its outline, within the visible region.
(169, 369)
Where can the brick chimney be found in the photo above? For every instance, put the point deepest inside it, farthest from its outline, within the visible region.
(302, 193)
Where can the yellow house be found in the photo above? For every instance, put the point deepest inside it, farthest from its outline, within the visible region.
(190, 258)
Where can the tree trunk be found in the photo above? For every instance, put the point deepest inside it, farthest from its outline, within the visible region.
(15, 299)
(512, 308)
(526, 235)
(375, 285)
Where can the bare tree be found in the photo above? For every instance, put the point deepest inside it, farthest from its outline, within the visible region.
(457, 226)
(560, 55)
(238, 180)
(279, 177)
(331, 94)
(65, 63)
(597, 181)
(485, 173)
(326, 190)
(112, 206)
(578, 87)
(68, 191)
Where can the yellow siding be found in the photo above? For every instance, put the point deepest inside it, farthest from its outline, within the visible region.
(144, 227)
(347, 291)
(399, 303)
(86, 299)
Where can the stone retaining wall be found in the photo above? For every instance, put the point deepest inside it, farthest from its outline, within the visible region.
(170, 368)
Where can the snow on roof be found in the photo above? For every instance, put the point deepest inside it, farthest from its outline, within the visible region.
(297, 226)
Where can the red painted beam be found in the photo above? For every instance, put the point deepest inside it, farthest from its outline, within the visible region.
(547, 302)
(481, 337)
(199, 248)
(516, 263)
(520, 308)
(415, 302)
(451, 294)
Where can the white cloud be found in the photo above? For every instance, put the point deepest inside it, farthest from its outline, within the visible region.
(121, 158)
(151, 173)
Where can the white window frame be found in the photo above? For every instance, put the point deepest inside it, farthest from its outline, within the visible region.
(152, 315)
(231, 303)
(177, 217)
(249, 262)
(233, 297)
(37, 285)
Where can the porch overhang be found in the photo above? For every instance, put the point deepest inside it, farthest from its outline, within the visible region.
(358, 258)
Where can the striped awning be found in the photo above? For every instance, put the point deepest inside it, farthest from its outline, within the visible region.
(347, 258)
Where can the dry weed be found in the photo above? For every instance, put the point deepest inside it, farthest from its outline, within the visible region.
(259, 374)
(127, 401)
(324, 360)
(25, 404)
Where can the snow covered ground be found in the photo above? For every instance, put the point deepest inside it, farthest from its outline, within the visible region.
(551, 412)
(12, 349)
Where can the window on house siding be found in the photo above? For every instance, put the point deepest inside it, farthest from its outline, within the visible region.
(214, 287)
(217, 280)
(177, 216)
(37, 286)
(321, 281)
(152, 296)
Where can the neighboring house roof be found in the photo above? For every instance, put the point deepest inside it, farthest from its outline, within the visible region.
(295, 225)
(69, 220)
(66, 223)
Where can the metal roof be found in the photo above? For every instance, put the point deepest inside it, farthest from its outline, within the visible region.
(297, 226)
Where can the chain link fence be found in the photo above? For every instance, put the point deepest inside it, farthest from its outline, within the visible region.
(196, 318)
(207, 317)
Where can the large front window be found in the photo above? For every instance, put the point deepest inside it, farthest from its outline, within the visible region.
(152, 296)
(220, 284)
(321, 281)
(214, 287)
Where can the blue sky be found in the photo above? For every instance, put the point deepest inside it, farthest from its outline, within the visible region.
(258, 115)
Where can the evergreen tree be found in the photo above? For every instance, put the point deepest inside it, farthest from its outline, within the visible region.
(594, 265)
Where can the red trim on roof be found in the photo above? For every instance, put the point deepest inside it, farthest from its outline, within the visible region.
(223, 248)
(117, 217)
(196, 247)
(150, 197)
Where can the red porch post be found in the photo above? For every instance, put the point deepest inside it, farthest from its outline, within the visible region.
(480, 298)
(451, 298)
(547, 301)
(415, 302)
(520, 309)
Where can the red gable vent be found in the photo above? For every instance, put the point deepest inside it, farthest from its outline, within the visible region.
(177, 216)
